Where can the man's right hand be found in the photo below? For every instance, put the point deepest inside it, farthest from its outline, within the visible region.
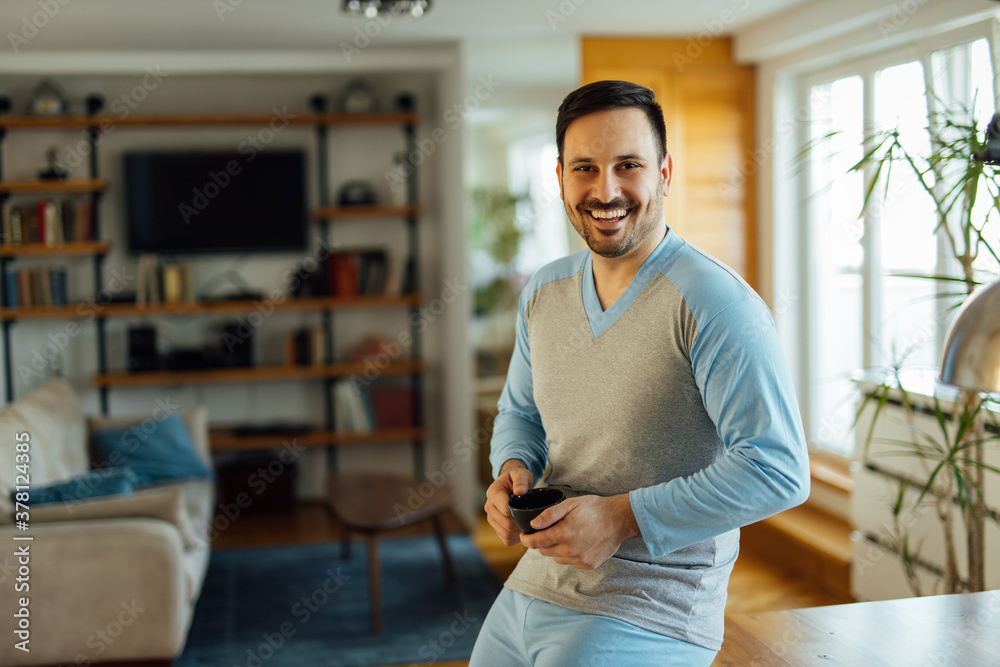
(514, 479)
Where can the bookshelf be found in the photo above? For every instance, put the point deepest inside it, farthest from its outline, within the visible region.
(323, 213)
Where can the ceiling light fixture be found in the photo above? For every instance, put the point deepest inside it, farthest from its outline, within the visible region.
(371, 8)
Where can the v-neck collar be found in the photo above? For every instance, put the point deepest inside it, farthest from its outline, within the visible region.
(600, 319)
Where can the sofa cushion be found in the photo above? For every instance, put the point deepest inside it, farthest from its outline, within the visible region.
(195, 418)
(114, 481)
(156, 450)
(164, 502)
(50, 414)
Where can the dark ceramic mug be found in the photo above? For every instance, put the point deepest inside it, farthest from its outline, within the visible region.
(526, 507)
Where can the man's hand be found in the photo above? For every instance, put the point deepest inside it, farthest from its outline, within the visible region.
(589, 530)
(514, 479)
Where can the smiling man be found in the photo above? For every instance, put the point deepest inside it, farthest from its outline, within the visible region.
(648, 384)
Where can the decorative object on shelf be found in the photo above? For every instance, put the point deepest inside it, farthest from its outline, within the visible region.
(236, 348)
(358, 97)
(369, 9)
(405, 103)
(399, 190)
(53, 172)
(142, 354)
(356, 193)
(147, 280)
(48, 100)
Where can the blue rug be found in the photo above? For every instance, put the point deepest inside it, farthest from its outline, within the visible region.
(304, 606)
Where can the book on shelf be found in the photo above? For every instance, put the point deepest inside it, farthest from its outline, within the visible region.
(47, 222)
(306, 346)
(393, 406)
(352, 408)
(32, 287)
(361, 272)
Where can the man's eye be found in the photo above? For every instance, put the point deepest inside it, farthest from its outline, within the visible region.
(584, 167)
(631, 165)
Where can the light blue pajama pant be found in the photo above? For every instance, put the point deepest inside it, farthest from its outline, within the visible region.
(523, 631)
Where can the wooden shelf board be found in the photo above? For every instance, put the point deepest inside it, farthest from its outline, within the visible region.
(207, 308)
(28, 187)
(207, 120)
(253, 374)
(38, 249)
(249, 305)
(226, 440)
(42, 313)
(340, 212)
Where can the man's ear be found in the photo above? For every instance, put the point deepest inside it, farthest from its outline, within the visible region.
(667, 169)
(559, 177)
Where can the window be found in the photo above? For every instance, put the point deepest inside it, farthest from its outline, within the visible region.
(867, 307)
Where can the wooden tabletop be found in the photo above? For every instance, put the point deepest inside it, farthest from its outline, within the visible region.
(959, 630)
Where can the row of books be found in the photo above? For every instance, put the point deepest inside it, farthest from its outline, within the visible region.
(365, 272)
(359, 408)
(48, 221)
(40, 286)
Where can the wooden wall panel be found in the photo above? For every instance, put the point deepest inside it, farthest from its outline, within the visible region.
(708, 104)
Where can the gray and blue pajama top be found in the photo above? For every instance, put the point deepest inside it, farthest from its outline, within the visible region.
(680, 396)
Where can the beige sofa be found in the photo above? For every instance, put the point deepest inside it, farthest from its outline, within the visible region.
(112, 578)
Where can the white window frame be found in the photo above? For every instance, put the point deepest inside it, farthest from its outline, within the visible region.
(800, 281)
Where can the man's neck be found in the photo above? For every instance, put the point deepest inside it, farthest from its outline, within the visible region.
(613, 275)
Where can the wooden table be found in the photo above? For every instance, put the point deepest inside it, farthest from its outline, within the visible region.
(959, 630)
(372, 503)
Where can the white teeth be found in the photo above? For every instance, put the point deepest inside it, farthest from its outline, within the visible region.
(607, 215)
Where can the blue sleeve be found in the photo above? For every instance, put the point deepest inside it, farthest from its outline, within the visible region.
(747, 390)
(517, 429)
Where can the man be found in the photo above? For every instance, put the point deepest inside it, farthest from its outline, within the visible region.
(648, 380)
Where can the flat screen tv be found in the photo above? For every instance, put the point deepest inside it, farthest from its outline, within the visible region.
(214, 202)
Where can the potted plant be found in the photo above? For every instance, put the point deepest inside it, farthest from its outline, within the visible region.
(952, 451)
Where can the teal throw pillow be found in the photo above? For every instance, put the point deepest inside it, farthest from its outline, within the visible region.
(155, 450)
(92, 484)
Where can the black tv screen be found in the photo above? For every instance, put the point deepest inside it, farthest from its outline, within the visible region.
(201, 202)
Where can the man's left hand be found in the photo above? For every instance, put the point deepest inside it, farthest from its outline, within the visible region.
(585, 531)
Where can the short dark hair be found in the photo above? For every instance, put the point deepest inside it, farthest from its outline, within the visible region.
(608, 95)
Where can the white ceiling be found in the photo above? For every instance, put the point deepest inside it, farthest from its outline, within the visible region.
(319, 24)
(532, 46)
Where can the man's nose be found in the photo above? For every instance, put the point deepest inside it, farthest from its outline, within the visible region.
(607, 186)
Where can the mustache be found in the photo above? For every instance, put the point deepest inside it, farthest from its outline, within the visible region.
(616, 203)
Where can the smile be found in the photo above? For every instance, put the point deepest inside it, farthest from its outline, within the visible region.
(612, 215)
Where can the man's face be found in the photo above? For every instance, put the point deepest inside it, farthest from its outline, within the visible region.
(612, 182)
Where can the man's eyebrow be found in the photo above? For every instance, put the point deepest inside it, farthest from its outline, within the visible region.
(620, 158)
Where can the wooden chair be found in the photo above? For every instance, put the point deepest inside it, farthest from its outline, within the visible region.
(372, 503)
